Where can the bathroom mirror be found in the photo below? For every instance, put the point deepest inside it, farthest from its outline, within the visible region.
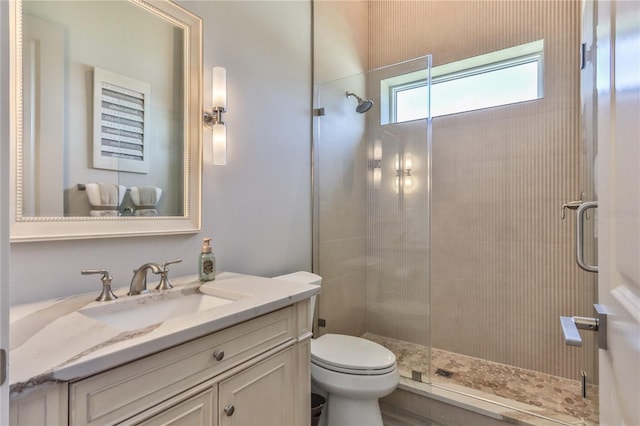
(106, 124)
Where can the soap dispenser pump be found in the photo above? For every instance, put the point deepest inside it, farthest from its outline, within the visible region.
(207, 263)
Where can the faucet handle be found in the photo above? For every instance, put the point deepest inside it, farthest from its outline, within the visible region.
(106, 294)
(169, 262)
(164, 279)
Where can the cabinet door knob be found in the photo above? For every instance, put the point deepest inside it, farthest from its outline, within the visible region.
(229, 409)
(218, 355)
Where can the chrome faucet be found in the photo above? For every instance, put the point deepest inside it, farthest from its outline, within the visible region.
(164, 279)
(139, 280)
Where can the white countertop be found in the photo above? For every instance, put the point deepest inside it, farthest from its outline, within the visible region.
(52, 342)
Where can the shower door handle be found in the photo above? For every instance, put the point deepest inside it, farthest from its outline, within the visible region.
(571, 205)
(580, 213)
(571, 325)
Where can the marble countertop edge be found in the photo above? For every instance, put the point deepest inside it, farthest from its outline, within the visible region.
(99, 347)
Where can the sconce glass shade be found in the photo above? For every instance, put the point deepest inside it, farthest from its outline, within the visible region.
(407, 184)
(408, 161)
(377, 150)
(219, 144)
(377, 158)
(219, 88)
(377, 177)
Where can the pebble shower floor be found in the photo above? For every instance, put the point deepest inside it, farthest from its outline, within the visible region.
(549, 396)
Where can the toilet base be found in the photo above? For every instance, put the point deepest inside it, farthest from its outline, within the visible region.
(343, 411)
(352, 400)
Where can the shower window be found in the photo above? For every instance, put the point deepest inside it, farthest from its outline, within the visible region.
(499, 78)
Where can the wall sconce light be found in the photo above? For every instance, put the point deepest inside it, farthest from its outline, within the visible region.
(404, 180)
(213, 119)
(374, 163)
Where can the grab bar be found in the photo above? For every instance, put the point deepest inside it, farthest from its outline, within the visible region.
(580, 235)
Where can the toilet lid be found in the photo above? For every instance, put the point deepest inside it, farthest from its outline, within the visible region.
(353, 355)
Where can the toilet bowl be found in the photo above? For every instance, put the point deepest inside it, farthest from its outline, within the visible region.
(350, 372)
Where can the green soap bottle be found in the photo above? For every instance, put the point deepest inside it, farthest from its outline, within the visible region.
(207, 262)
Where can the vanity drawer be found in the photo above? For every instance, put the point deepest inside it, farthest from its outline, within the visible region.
(117, 394)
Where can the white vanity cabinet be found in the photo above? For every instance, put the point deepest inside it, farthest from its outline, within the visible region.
(261, 394)
(45, 406)
(253, 373)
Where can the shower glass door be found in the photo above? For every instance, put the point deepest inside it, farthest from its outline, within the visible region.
(372, 175)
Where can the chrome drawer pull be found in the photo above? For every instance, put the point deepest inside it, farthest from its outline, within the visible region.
(218, 355)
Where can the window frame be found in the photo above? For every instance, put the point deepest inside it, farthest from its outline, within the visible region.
(527, 53)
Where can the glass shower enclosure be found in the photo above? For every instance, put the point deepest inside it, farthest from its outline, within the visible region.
(372, 178)
(424, 244)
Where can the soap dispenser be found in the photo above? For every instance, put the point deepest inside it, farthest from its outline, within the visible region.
(207, 263)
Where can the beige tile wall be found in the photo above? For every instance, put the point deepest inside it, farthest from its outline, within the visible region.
(502, 261)
(398, 229)
(340, 49)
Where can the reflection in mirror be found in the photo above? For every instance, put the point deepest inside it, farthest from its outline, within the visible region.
(67, 45)
(106, 131)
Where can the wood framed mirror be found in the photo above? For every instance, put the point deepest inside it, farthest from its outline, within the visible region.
(106, 124)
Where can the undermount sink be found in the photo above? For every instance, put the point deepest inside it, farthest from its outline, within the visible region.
(140, 311)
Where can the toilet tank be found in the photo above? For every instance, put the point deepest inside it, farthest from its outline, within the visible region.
(304, 278)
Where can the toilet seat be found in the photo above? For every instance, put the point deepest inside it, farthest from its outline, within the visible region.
(351, 355)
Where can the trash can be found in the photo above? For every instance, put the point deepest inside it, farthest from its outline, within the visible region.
(317, 402)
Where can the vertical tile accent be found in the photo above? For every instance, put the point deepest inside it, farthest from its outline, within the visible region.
(341, 211)
(398, 231)
(502, 261)
(340, 49)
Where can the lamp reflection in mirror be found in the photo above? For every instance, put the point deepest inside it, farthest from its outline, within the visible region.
(374, 164)
(404, 180)
(213, 119)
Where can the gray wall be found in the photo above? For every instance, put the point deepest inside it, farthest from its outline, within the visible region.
(257, 207)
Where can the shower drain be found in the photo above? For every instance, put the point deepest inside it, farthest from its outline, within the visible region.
(444, 373)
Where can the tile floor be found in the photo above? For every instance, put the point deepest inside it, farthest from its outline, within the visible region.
(549, 396)
(392, 416)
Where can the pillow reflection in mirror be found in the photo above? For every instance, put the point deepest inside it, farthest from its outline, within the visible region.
(105, 198)
(145, 198)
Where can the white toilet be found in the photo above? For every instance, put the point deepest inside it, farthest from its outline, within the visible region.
(350, 372)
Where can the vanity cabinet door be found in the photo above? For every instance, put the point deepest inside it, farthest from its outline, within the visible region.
(195, 407)
(260, 395)
(44, 407)
(116, 395)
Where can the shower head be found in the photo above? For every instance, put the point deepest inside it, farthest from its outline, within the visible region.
(364, 105)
